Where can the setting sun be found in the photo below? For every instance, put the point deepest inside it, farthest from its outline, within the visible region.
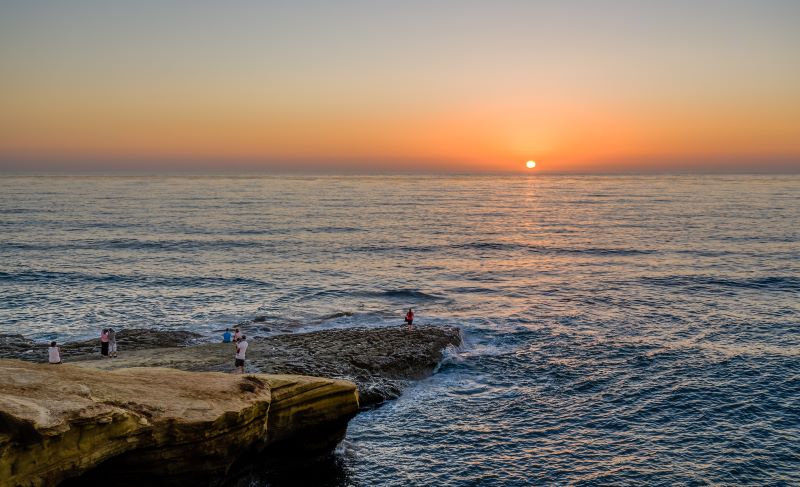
(530, 164)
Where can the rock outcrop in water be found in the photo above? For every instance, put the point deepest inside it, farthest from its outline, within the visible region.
(380, 361)
(141, 419)
(58, 421)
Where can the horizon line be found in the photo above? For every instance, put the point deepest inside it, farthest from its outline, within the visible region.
(779, 171)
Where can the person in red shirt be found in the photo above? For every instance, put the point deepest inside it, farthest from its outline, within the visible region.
(410, 319)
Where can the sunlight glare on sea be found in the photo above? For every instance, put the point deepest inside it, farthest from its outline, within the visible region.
(619, 329)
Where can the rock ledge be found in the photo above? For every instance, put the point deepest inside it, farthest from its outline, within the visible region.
(380, 361)
(58, 421)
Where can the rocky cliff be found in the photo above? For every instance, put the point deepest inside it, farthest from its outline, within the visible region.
(166, 416)
(57, 421)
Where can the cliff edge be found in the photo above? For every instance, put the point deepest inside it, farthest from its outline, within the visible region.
(58, 421)
(380, 361)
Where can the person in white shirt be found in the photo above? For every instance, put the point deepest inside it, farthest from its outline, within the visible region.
(241, 348)
(112, 343)
(54, 354)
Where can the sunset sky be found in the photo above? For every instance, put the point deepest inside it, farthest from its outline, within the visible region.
(407, 85)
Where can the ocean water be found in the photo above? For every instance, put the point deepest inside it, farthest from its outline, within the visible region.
(619, 330)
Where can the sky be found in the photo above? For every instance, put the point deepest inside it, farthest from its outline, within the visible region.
(466, 86)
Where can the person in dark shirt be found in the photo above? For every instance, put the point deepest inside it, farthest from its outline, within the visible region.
(104, 342)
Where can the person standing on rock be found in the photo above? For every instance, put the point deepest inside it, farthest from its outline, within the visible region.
(410, 319)
(241, 349)
(112, 342)
(226, 337)
(54, 353)
(104, 342)
(237, 335)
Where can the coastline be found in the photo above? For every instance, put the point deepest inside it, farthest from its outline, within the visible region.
(148, 412)
(381, 361)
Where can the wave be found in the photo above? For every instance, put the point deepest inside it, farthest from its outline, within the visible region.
(333, 229)
(392, 294)
(182, 245)
(775, 283)
(502, 247)
(554, 250)
(72, 278)
(475, 290)
(145, 245)
(400, 248)
(407, 294)
(790, 254)
(17, 211)
(333, 316)
(257, 231)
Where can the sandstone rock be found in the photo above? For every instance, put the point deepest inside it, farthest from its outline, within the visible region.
(57, 421)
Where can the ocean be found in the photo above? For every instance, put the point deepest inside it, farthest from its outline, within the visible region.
(619, 330)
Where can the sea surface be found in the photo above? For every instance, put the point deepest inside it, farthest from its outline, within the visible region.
(620, 330)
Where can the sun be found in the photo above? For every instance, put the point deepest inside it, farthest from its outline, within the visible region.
(530, 164)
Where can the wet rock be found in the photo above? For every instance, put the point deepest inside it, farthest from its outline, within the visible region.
(19, 347)
(58, 421)
(135, 339)
(380, 361)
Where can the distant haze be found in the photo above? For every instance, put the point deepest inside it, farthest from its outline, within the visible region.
(467, 86)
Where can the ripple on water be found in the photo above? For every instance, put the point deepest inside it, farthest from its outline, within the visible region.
(627, 330)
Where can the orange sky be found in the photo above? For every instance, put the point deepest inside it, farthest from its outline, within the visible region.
(610, 86)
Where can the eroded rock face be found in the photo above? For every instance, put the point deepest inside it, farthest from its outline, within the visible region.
(57, 421)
